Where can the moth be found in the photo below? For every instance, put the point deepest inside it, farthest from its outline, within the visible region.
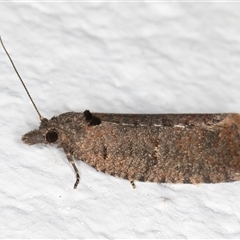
(166, 148)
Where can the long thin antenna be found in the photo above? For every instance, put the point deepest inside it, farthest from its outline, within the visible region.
(40, 116)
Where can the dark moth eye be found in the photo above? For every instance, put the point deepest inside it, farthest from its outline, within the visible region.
(52, 136)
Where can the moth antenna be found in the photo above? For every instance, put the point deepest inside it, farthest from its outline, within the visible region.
(40, 116)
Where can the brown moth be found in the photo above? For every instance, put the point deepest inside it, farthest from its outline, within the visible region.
(167, 148)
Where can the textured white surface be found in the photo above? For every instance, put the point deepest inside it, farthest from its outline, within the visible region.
(112, 57)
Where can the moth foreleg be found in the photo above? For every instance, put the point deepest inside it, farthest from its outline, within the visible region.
(70, 159)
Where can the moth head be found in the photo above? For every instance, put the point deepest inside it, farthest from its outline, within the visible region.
(46, 134)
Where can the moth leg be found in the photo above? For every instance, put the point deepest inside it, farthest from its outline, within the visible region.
(70, 159)
(133, 184)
